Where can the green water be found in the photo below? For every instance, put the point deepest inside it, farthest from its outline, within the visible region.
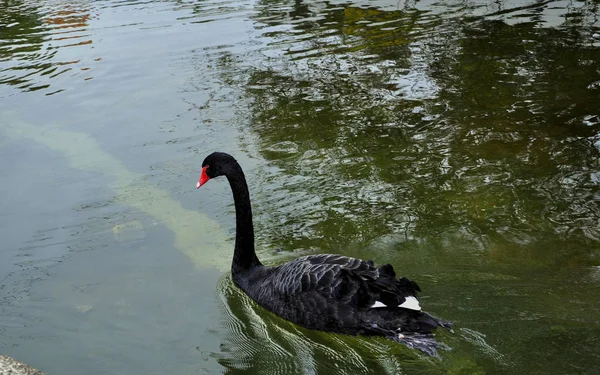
(458, 141)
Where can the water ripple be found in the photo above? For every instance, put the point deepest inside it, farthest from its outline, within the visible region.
(30, 54)
(257, 340)
(52, 47)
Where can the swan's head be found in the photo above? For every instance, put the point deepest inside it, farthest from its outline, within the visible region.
(215, 165)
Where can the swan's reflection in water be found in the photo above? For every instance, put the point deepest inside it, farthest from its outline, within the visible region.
(259, 342)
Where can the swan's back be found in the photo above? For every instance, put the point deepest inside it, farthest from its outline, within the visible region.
(348, 280)
(328, 292)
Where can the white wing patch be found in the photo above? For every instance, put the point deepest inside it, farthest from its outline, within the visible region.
(410, 303)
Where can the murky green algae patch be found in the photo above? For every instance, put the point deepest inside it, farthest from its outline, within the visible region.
(84, 153)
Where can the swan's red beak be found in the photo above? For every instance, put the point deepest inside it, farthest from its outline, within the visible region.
(203, 178)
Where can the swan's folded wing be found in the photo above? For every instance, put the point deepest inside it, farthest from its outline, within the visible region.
(348, 280)
(334, 277)
(301, 276)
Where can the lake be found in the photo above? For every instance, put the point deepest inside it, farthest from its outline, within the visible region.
(458, 141)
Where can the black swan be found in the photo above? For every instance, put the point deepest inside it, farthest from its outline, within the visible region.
(325, 292)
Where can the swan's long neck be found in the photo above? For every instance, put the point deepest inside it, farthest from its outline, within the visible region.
(244, 255)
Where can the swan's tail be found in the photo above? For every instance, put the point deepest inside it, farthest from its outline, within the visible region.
(424, 342)
(439, 322)
(409, 327)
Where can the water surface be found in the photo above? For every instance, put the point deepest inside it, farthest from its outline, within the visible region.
(458, 141)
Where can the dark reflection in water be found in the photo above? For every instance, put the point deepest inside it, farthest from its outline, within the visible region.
(499, 123)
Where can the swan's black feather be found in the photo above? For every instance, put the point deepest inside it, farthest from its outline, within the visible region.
(326, 292)
(330, 275)
(336, 293)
